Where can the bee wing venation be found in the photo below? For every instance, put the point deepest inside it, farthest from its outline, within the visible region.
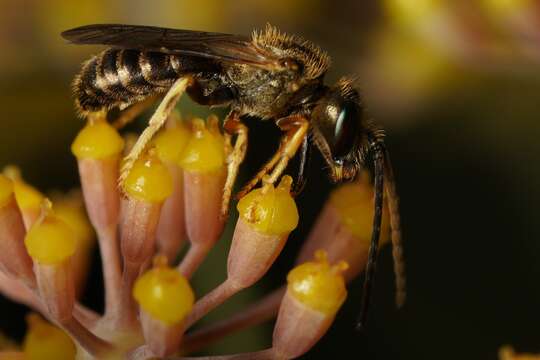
(219, 46)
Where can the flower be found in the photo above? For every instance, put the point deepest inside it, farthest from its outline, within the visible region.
(176, 185)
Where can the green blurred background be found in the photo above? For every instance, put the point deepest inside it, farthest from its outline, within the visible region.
(455, 83)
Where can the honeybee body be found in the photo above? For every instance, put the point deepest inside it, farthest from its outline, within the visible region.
(269, 75)
(121, 77)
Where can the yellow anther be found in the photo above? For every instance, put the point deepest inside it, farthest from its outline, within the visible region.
(50, 240)
(149, 180)
(318, 285)
(171, 143)
(164, 294)
(72, 213)
(205, 150)
(44, 341)
(6, 189)
(97, 140)
(354, 203)
(270, 210)
(27, 196)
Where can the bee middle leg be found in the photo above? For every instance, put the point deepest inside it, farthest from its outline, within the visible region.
(157, 120)
(233, 126)
(296, 128)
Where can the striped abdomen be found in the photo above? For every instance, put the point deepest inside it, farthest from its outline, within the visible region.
(120, 77)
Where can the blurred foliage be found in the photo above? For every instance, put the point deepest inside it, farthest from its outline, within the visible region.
(455, 83)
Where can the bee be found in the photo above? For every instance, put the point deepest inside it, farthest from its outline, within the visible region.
(268, 75)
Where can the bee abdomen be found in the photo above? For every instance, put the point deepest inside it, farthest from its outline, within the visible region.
(118, 77)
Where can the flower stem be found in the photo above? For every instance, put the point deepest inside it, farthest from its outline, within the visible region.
(257, 313)
(18, 292)
(126, 314)
(194, 257)
(110, 258)
(210, 301)
(94, 345)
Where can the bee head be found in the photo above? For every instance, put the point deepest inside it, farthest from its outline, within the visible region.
(338, 130)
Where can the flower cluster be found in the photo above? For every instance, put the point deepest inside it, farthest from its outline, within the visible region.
(171, 197)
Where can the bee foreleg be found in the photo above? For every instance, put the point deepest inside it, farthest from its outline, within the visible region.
(295, 127)
(258, 177)
(233, 126)
(157, 120)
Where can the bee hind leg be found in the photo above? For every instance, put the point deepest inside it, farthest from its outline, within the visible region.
(233, 126)
(296, 128)
(157, 120)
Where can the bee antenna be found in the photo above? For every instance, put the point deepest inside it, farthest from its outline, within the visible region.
(392, 200)
(384, 182)
(377, 149)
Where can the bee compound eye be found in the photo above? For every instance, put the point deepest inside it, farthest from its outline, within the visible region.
(345, 130)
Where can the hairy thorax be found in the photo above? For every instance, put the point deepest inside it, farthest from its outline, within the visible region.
(261, 93)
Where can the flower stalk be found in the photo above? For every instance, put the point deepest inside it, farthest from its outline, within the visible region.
(173, 191)
(51, 244)
(146, 187)
(171, 230)
(267, 217)
(342, 229)
(28, 198)
(165, 298)
(203, 163)
(315, 292)
(14, 259)
(98, 147)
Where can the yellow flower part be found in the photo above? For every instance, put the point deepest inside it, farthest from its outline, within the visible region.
(205, 150)
(27, 196)
(97, 140)
(44, 341)
(319, 285)
(354, 203)
(75, 217)
(504, 7)
(164, 294)
(410, 12)
(149, 180)
(6, 189)
(171, 143)
(50, 240)
(270, 210)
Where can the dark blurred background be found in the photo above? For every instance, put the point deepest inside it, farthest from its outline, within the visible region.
(455, 83)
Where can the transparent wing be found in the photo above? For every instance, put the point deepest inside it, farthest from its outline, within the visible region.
(224, 47)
